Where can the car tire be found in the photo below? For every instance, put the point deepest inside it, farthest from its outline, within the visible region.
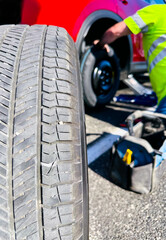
(43, 165)
(100, 76)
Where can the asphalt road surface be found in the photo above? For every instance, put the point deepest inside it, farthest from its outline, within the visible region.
(117, 214)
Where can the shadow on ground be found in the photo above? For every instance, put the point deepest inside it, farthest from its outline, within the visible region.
(101, 165)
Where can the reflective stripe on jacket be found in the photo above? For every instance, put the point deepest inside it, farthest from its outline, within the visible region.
(151, 21)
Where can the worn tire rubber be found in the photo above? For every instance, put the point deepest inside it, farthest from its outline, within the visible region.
(88, 62)
(43, 167)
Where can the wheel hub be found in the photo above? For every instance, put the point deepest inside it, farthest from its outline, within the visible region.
(102, 77)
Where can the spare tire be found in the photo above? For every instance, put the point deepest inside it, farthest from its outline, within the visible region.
(100, 76)
(43, 167)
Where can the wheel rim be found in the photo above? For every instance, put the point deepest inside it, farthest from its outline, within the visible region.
(103, 78)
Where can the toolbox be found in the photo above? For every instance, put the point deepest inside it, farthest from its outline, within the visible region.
(138, 159)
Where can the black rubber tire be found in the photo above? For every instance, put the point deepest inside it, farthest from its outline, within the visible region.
(89, 61)
(43, 165)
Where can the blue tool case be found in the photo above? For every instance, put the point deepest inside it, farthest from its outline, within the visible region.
(145, 138)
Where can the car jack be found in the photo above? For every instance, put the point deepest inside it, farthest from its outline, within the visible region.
(142, 95)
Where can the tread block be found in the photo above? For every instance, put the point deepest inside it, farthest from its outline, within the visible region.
(25, 105)
(5, 86)
(33, 236)
(64, 75)
(23, 166)
(25, 115)
(64, 100)
(20, 94)
(64, 152)
(2, 158)
(3, 138)
(25, 134)
(49, 180)
(8, 51)
(7, 57)
(25, 197)
(22, 125)
(51, 234)
(63, 86)
(49, 158)
(49, 116)
(25, 209)
(28, 231)
(23, 145)
(50, 53)
(50, 74)
(24, 186)
(4, 93)
(35, 58)
(49, 103)
(64, 115)
(50, 196)
(3, 149)
(25, 98)
(49, 129)
(65, 192)
(3, 213)
(27, 72)
(4, 110)
(52, 217)
(66, 230)
(4, 101)
(5, 79)
(23, 177)
(53, 171)
(5, 235)
(6, 66)
(27, 84)
(49, 87)
(3, 193)
(2, 173)
(25, 220)
(24, 155)
(64, 132)
(3, 203)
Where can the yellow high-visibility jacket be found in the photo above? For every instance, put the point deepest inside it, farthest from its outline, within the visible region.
(151, 21)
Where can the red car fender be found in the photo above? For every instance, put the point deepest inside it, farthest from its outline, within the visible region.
(72, 15)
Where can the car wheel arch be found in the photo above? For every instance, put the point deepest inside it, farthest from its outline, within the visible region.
(95, 18)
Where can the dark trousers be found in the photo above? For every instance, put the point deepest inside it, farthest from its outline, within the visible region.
(162, 106)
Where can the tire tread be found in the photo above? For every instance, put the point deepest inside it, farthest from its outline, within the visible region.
(40, 123)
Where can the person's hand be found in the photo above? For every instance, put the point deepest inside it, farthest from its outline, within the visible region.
(99, 45)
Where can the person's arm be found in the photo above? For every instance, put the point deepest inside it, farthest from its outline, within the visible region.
(116, 31)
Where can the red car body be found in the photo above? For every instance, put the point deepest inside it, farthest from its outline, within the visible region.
(86, 21)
